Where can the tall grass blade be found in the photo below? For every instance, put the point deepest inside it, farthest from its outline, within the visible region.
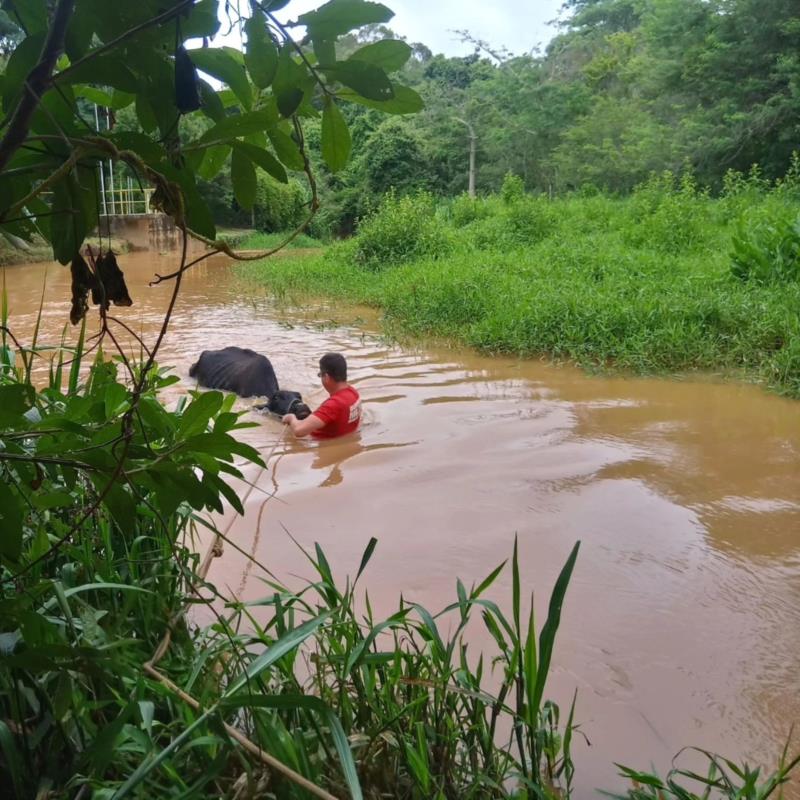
(277, 650)
(313, 704)
(148, 766)
(531, 667)
(36, 328)
(12, 757)
(548, 635)
(487, 581)
(369, 550)
(515, 599)
(75, 367)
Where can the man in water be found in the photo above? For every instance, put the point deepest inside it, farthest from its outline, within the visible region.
(340, 413)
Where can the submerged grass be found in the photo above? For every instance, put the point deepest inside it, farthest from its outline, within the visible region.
(644, 283)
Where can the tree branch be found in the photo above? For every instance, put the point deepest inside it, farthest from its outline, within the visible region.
(37, 82)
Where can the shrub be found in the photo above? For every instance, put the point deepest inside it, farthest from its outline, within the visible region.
(513, 189)
(767, 250)
(465, 209)
(667, 217)
(401, 230)
(279, 206)
(525, 222)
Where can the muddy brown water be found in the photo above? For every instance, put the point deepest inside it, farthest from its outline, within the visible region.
(682, 622)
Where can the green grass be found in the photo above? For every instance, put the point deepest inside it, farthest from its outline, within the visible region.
(642, 284)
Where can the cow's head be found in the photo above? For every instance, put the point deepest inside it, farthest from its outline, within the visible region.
(286, 402)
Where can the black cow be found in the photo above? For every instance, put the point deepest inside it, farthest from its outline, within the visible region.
(248, 374)
(237, 370)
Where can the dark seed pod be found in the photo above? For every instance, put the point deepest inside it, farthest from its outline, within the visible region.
(82, 282)
(113, 280)
(187, 96)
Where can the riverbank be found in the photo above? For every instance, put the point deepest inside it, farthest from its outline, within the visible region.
(39, 251)
(647, 284)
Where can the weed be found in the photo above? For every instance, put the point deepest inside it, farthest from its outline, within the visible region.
(401, 229)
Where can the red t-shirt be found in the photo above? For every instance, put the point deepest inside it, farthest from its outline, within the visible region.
(341, 413)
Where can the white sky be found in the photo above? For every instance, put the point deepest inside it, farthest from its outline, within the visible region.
(517, 25)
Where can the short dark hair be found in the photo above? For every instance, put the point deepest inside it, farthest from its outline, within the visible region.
(334, 364)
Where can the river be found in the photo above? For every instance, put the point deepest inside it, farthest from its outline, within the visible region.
(682, 623)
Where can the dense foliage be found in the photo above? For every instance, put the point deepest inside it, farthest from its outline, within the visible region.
(130, 60)
(625, 88)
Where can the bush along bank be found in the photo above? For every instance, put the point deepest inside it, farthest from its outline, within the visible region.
(668, 279)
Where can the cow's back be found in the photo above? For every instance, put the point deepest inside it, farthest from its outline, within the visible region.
(235, 369)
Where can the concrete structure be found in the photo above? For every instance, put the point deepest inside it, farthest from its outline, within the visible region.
(143, 231)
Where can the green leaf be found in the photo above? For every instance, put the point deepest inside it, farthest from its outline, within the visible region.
(290, 82)
(389, 54)
(15, 400)
(213, 161)
(550, 627)
(261, 54)
(340, 16)
(143, 145)
(12, 757)
(405, 100)
(223, 63)
(290, 641)
(366, 79)
(150, 765)
(289, 100)
(286, 149)
(325, 51)
(240, 125)
(264, 159)
(290, 702)
(243, 178)
(10, 523)
(336, 142)
(103, 70)
(120, 505)
(202, 21)
(32, 15)
(211, 104)
(145, 113)
(68, 224)
(24, 58)
(197, 415)
(226, 491)
(367, 555)
(198, 215)
(95, 95)
(52, 500)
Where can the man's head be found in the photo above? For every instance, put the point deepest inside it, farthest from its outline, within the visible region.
(332, 369)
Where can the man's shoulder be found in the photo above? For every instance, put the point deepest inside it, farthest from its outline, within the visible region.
(352, 393)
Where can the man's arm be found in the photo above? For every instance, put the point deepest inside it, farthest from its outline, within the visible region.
(305, 426)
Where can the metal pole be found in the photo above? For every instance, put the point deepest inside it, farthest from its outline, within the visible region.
(102, 171)
(111, 174)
